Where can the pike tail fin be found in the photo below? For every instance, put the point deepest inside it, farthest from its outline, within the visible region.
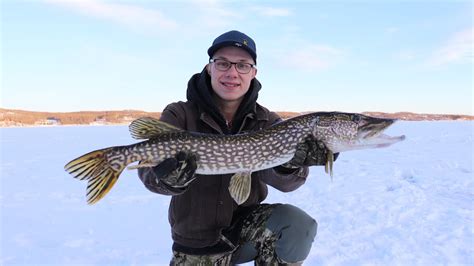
(95, 168)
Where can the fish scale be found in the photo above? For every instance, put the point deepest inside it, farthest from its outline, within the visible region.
(224, 154)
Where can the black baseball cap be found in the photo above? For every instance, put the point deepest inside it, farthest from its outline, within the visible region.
(236, 39)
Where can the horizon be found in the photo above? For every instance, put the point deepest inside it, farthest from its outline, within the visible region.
(277, 111)
(73, 56)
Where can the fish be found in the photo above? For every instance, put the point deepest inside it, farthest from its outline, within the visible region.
(239, 154)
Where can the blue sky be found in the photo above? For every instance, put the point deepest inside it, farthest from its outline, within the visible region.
(352, 56)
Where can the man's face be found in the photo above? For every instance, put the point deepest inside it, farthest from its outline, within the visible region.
(231, 85)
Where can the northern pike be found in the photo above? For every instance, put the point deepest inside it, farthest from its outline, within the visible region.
(240, 154)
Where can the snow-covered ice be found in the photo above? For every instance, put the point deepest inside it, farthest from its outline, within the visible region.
(409, 204)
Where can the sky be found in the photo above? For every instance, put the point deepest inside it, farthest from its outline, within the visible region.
(353, 56)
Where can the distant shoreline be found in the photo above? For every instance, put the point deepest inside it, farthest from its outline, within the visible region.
(24, 118)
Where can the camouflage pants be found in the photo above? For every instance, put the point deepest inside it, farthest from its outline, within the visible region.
(269, 234)
(182, 259)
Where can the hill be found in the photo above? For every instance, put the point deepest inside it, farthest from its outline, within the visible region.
(18, 118)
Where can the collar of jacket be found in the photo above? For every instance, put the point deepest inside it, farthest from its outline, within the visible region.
(200, 92)
(207, 119)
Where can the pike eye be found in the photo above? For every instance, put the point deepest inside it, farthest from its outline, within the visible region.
(356, 118)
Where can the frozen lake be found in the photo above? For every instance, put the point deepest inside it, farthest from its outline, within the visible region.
(409, 204)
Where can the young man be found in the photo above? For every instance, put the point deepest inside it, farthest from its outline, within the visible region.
(208, 227)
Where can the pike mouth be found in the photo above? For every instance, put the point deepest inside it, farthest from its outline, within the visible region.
(371, 135)
(374, 128)
(386, 140)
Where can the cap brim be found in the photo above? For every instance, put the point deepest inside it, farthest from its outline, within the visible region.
(218, 46)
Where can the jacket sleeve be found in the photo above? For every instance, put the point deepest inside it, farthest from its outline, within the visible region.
(278, 179)
(169, 115)
(284, 182)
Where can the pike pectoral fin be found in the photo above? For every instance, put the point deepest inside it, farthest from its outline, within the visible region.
(329, 163)
(239, 186)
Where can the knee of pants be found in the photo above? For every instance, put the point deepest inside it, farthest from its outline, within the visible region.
(296, 230)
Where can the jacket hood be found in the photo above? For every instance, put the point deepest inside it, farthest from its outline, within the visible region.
(200, 92)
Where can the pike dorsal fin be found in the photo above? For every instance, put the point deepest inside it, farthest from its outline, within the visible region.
(149, 127)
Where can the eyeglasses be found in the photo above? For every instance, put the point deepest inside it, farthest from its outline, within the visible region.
(224, 65)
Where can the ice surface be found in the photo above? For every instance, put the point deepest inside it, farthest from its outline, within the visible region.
(408, 204)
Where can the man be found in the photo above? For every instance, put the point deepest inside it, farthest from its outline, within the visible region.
(208, 227)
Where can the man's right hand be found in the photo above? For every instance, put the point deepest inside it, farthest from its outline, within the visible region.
(177, 172)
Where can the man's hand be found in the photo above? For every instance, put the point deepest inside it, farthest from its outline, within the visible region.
(177, 172)
(309, 152)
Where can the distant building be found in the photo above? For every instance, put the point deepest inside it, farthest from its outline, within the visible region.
(50, 121)
(100, 120)
(128, 118)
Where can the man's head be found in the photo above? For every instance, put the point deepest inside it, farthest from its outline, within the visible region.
(236, 39)
(232, 65)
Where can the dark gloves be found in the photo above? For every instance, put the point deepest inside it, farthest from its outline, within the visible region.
(309, 152)
(176, 173)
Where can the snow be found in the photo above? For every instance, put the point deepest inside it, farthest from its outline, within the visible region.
(409, 204)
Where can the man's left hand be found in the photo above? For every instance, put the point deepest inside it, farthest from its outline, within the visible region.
(309, 152)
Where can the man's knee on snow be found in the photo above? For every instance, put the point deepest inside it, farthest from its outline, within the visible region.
(296, 231)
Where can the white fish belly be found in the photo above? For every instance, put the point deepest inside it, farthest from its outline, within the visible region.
(235, 167)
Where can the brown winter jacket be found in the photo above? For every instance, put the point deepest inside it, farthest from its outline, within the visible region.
(199, 214)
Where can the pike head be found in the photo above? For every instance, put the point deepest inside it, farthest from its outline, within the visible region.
(349, 131)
